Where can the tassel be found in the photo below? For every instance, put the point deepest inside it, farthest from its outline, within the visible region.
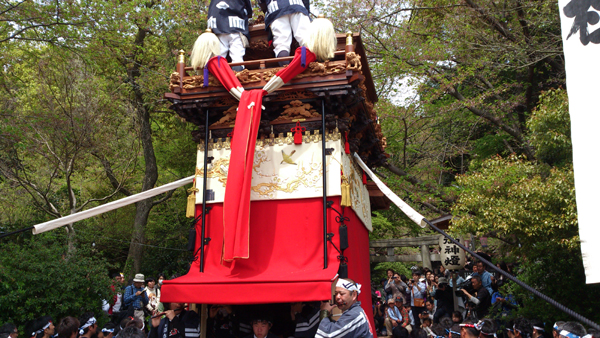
(347, 145)
(346, 200)
(205, 77)
(298, 130)
(364, 177)
(190, 211)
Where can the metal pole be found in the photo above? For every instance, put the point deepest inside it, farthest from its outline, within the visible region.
(204, 192)
(324, 185)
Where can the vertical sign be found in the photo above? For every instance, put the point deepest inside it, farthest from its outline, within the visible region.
(451, 255)
(581, 42)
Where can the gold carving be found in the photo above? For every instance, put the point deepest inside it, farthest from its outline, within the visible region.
(226, 101)
(228, 117)
(289, 139)
(246, 77)
(266, 76)
(174, 80)
(296, 95)
(353, 61)
(197, 81)
(297, 109)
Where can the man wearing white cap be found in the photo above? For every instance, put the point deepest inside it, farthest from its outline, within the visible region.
(353, 322)
(135, 296)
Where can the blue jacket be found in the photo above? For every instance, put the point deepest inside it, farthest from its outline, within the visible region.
(352, 324)
(129, 298)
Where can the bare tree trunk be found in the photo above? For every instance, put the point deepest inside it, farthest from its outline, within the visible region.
(143, 208)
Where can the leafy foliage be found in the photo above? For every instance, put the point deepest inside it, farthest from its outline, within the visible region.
(45, 280)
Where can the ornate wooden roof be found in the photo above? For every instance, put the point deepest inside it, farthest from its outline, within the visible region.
(343, 84)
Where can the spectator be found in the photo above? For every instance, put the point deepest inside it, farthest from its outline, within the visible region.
(161, 278)
(9, 330)
(429, 310)
(391, 288)
(68, 327)
(486, 277)
(445, 300)
(431, 285)
(407, 320)
(418, 291)
(379, 318)
(89, 326)
(400, 287)
(393, 317)
(116, 286)
(135, 297)
(454, 332)
(444, 272)
(153, 294)
(457, 317)
(426, 326)
(381, 289)
(482, 301)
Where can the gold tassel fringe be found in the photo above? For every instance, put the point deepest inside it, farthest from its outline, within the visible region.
(190, 211)
(346, 200)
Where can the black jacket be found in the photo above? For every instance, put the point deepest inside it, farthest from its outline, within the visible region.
(277, 8)
(229, 16)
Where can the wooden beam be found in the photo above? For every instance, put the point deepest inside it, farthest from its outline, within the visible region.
(404, 242)
(404, 258)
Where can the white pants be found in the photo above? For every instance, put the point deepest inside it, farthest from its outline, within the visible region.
(283, 27)
(233, 44)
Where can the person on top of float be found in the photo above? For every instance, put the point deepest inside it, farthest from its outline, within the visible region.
(228, 19)
(285, 17)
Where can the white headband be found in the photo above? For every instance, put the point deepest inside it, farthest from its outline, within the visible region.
(89, 323)
(33, 334)
(538, 328)
(348, 285)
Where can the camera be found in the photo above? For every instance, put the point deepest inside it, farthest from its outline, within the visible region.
(467, 285)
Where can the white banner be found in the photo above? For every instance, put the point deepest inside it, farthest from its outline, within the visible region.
(581, 43)
(59, 222)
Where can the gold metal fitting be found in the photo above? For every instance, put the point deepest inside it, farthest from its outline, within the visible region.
(321, 16)
(208, 30)
(181, 56)
(349, 38)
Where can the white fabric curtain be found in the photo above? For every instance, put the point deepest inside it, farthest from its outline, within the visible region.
(581, 46)
(59, 222)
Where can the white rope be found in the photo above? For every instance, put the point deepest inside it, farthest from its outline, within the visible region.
(407, 209)
(59, 222)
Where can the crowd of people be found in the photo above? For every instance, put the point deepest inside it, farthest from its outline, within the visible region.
(424, 307)
(420, 307)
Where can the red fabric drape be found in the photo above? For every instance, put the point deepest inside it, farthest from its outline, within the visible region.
(295, 67)
(236, 209)
(219, 67)
(239, 176)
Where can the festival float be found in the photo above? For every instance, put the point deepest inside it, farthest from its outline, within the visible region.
(279, 226)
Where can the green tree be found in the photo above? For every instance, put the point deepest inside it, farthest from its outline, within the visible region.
(44, 280)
